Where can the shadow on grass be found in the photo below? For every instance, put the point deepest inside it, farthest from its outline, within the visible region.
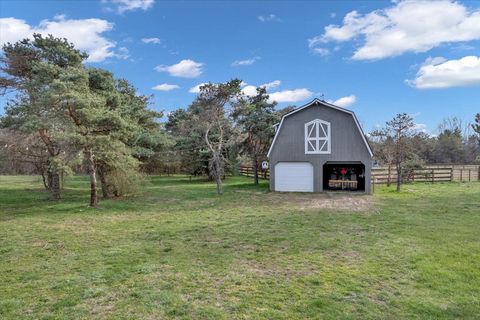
(24, 196)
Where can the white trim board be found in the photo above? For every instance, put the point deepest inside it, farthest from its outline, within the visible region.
(317, 148)
(326, 104)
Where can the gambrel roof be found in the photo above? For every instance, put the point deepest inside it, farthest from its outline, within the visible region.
(326, 104)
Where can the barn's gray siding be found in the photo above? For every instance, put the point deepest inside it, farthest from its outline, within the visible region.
(347, 144)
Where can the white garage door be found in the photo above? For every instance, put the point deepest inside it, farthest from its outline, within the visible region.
(294, 176)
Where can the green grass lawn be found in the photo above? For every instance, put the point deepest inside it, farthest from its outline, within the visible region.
(181, 251)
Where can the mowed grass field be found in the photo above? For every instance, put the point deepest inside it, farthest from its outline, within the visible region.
(179, 251)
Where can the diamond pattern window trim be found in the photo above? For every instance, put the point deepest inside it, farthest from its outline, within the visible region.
(317, 137)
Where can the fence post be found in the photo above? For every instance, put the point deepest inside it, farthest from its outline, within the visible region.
(451, 174)
(433, 175)
(461, 175)
(478, 173)
(469, 174)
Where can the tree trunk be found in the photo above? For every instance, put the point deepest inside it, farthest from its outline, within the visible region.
(91, 168)
(219, 182)
(215, 164)
(52, 171)
(216, 171)
(103, 180)
(54, 185)
(49, 180)
(389, 177)
(44, 179)
(53, 179)
(255, 170)
(399, 177)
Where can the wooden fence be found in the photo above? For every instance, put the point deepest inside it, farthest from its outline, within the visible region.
(248, 171)
(434, 173)
(381, 176)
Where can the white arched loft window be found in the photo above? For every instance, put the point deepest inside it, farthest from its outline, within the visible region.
(317, 137)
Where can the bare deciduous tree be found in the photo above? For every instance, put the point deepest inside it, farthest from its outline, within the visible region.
(398, 130)
(384, 150)
(215, 101)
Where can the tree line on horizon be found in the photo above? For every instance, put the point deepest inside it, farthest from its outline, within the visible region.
(398, 145)
(63, 117)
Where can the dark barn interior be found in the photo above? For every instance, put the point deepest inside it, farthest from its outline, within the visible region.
(346, 176)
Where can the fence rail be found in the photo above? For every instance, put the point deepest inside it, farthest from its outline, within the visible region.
(248, 171)
(432, 174)
(380, 175)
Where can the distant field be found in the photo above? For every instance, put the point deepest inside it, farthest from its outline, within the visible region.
(179, 251)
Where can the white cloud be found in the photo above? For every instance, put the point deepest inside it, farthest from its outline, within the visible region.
(12, 30)
(245, 62)
(278, 96)
(131, 5)
(321, 51)
(269, 17)
(165, 87)
(59, 17)
(407, 26)
(184, 69)
(437, 73)
(420, 127)
(345, 101)
(271, 85)
(196, 89)
(122, 53)
(290, 95)
(85, 34)
(251, 91)
(151, 40)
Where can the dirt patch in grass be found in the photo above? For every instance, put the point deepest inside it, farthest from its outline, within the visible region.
(327, 201)
(349, 258)
(339, 202)
(262, 269)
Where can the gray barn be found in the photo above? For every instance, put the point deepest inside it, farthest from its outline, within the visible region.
(320, 147)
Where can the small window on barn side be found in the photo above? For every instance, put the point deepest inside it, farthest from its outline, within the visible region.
(317, 137)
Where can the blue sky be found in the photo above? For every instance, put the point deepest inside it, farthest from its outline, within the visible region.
(377, 58)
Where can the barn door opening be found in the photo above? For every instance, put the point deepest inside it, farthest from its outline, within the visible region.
(344, 176)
